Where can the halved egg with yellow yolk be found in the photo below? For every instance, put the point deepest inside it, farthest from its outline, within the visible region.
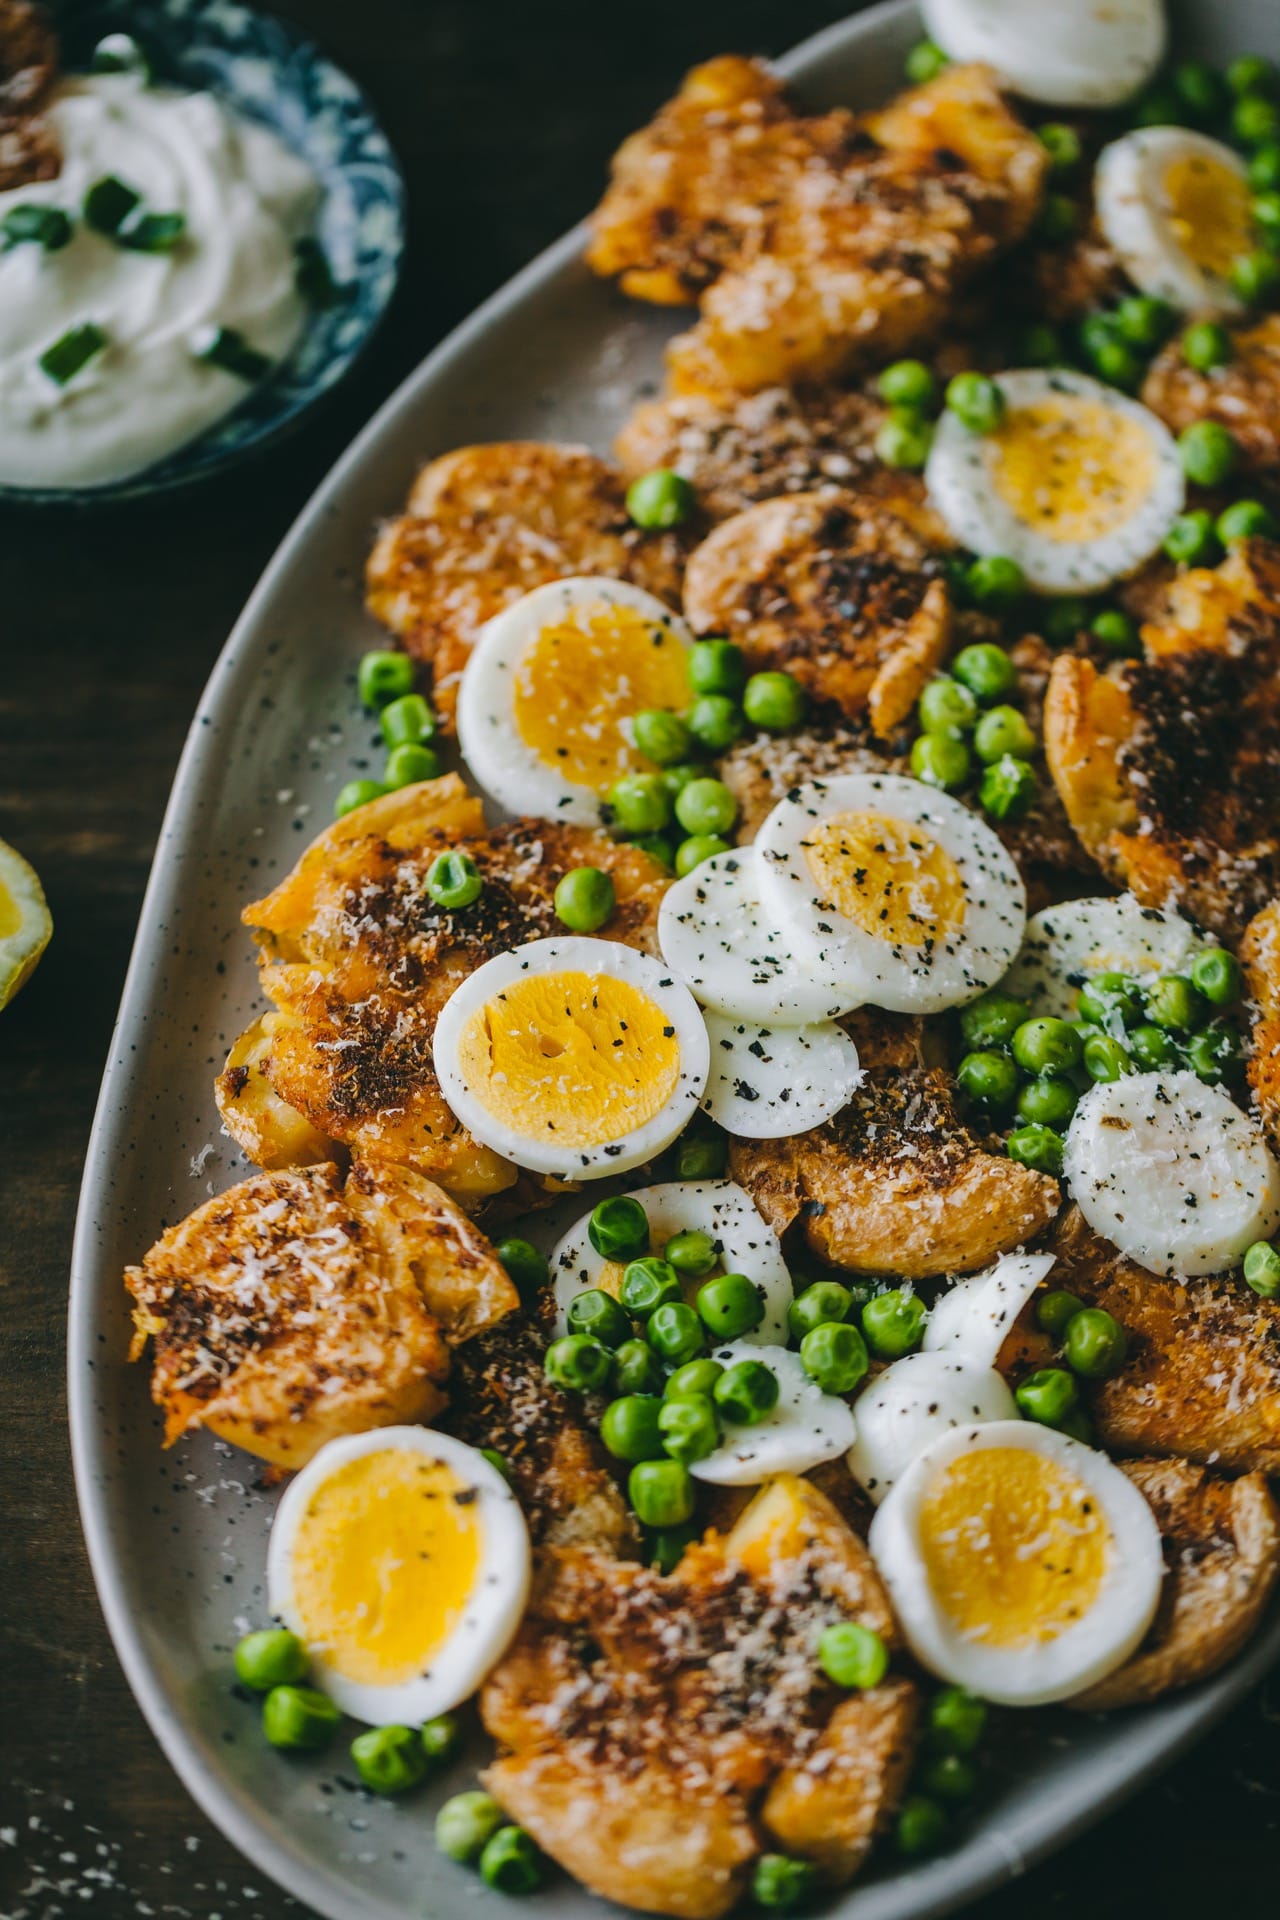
(1080, 484)
(401, 1559)
(896, 894)
(1176, 206)
(1022, 1564)
(575, 1057)
(552, 687)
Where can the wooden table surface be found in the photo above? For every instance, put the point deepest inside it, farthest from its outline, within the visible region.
(504, 115)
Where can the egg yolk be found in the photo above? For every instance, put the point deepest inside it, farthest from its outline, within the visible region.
(890, 877)
(582, 677)
(1071, 470)
(384, 1560)
(576, 1058)
(10, 914)
(1207, 207)
(1016, 1548)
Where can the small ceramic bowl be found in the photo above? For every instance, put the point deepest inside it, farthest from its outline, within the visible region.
(264, 70)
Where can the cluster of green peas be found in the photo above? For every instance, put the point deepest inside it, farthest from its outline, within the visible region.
(407, 722)
(1035, 1068)
(964, 715)
(1210, 455)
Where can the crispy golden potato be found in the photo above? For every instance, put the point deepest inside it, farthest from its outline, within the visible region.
(843, 596)
(1222, 1554)
(895, 1183)
(1260, 952)
(1244, 395)
(269, 1131)
(28, 70)
(293, 1309)
(832, 1807)
(488, 523)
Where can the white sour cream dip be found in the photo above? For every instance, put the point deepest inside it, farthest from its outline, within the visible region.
(246, 199)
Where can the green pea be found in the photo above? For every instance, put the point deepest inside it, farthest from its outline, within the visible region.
(689, 1427)
(1208, 453)
(636, 1369)
(699, 847)
(715, 721)
(1061, 620)
(1039, 345)
(667, 1545)
(948, 1777)
(1216, 974)
(598, 1315)
(1055, 1311)
(1058, 219)
(499, 1463)
(1266, 213)
(989, 1078)
(1048, 1101)
(852, 1655)
(894, 1323)
(976, 401)
(1106, 998)
(1262, 1269)
(584, 899)
(453, 881)
(1264, 169)
(1246, 520)
(947, 707)
(1255, 121)
(834, 1355)
(778, 1880)
(702, 1159)
(407, 765)
(647, 1284)
(619, 1229)
(676, 779)
(773, 701)
(674, 1332)
(1037, 1147)
(1104, 1058)
(925, 62)
(1046, 1045)
(389, 1759)
(921, 1826)
(706, 806)
(660, 499)
(1116, 362)
(825, 1300)
(356, 793)
(577, 1363)
(908, 383)
(730, 1306)
(1174, 1004)
(272, 1657)
(408, 721)
(986, 670)
(465, 1824)
(996, 583)
(1151, 1047)
(695, 1376)
(717, 666)
(640, 803)
(1215, 1054)
(441, 1738)
(383, 676)
(746, 1392)
(1007, 788)
(1255, 277)
(1047, 1395)
(1192, 540)
(1201, 89)
(661, 1493)
(1003, 730)
(1145, 321)
(661, 737)
(1097, 331)
(1095, 1344)
(1253, 73)
(510, 1862)
(904, 440)
(691, 1251)
(1062, 144)
(1077, 1426)
(955, 1722)
(940, 761)
(658, 848)
(1206, 345)
(629, 1427)
(1117, 633)
(299, 1718)
(525, 1266)
(992, 1019)
(1159, 107)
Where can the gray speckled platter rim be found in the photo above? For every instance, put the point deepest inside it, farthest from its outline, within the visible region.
(1135, 1746)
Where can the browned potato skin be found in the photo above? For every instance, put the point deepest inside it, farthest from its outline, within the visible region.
(1222, 1551)
(1260, 952)
(833, 1806)
(1244, 395)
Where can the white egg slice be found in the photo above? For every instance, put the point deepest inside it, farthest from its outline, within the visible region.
(974, 1317)
(745, 1240)
(1171, 1172)
(715, 934)
(552, 686)
(1076, 53)
(1066, 944)
(1079, 485)
(574, 1057)
(765, 1082)
(894, 893)
(401, 1558)
(1021, 1564)
(905, 1408)
(806, 1427)
(1176, 208)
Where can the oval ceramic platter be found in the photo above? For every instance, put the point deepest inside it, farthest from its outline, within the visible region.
(178, 1540)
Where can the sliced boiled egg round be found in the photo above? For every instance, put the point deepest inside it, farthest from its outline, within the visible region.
(744, 1242)
(905, 1408)
(1079, 484)
(572, 1057)
(1171, 1172)
(974, 1317)
(1078, 53)
(400, 1558)
(896, 894)
(1176, 207)
(1021, 1564)
(552, 686)
(805, 1427)
(765, 1082)
(1065, 945)
(715, 934)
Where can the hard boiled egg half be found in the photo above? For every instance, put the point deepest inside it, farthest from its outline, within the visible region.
(1072, 53)
(552, 686)
(1176, 206)
(1079, 484)
(401, 1559)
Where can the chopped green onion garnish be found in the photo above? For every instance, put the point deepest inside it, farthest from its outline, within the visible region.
(120, 53)
(153, 232)
(77, 347)
(224, 347)
(108, 204)
(313, 275)
(48, 227)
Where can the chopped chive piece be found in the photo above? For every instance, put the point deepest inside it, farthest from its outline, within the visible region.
(108, 204)
(153, 232)
(313, 276)
(76, 348)
(120, 53)
(48, 227)
(224, 347)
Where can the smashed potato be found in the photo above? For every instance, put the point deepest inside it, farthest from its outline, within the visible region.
(1243, 395)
